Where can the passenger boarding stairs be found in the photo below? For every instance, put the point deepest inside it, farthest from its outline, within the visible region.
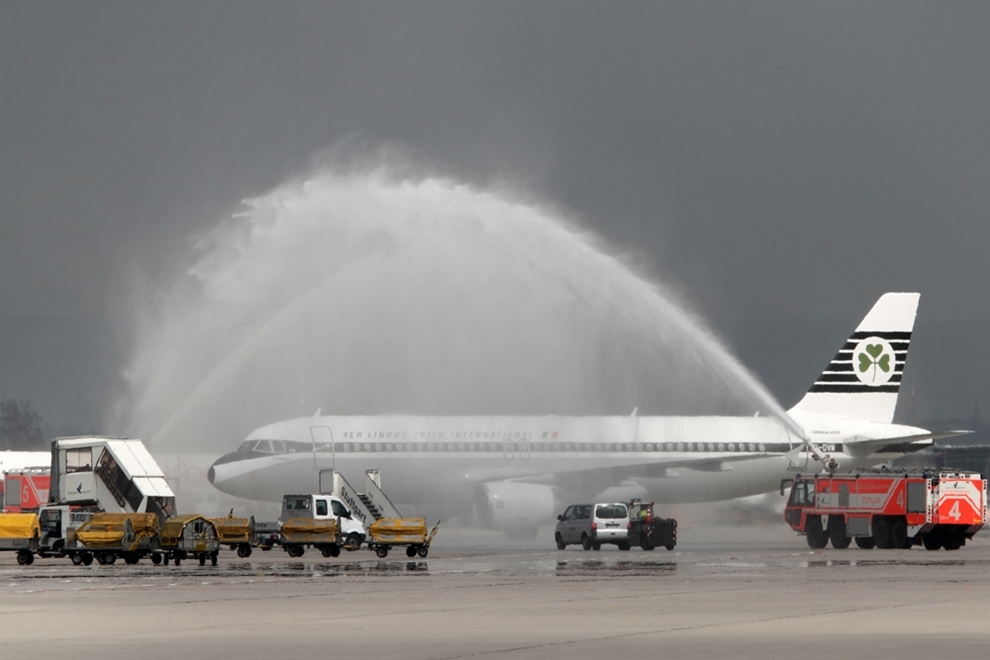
(367, 506)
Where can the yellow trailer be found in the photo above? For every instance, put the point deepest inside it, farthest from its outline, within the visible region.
(20, 532)
(237, 533)
(189, 535)
(410, 532)
(112, 535)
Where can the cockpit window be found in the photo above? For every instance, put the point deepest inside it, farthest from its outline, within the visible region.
(262, 447)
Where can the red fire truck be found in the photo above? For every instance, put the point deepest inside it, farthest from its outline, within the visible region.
(888, 510)
(25, 490)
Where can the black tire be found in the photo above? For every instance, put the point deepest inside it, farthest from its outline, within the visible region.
(131, 558)
(669, 546)
(87, 558)
(560, 541)
(213, 558)
(411, 551)
(585, 542)
(423, 551)
(817, 538)
(334, 550)
(24, 557)
(881, 533)
(837, 532)
(176, 560)
(327, 551)
(865, 542)
(77, 558)
(596, 546)
(624, 546)
(243, 551)
(353, 540)
(382, 551)
(109, 558)
(952, 542)
(898, 535)
(156, 558)
(645, 542)
(202, 559)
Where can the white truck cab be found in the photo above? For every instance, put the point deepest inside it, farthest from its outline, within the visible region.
(323, 507)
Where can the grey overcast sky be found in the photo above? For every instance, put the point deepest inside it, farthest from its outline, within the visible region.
(780, 164)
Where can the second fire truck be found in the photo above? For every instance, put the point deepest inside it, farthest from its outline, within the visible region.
(888, 510)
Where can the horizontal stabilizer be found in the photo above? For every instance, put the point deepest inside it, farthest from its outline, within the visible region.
(900, 445)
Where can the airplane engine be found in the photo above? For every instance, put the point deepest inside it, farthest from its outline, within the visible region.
(513, 507)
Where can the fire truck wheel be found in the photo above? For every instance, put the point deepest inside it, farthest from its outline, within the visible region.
(837, 532)
(951, 542)
(585, 542)
(881, 533)
(77, 559)
(898, 535)
(931, 541)
(560, 541)
(865, 542)
(244, 551)
(817, 538)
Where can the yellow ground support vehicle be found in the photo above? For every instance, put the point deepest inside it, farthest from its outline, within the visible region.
(237, 533)
(410, 532)
(112, 535)
(20, 532)
(189, 535)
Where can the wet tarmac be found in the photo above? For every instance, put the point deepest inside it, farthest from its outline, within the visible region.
(723, 592)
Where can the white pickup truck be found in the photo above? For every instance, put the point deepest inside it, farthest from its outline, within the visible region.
(321, 521)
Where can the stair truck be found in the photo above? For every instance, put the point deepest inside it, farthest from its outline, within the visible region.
(107, 499)
(888, 510)
(386, 527)
(647, 530)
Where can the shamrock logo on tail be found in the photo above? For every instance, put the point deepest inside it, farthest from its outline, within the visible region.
(874, 357)
(873, 360)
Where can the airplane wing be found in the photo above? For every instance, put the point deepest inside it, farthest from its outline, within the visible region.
(652, 470)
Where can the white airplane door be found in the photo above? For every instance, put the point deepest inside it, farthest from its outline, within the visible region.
(324, 455)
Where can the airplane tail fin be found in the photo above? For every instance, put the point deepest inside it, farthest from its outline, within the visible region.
(864, 377)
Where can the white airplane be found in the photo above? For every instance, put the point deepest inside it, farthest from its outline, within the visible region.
(517, 470)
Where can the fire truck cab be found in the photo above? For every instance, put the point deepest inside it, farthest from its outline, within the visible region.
(888, 510)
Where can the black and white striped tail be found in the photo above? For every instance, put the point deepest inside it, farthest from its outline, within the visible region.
(864, 377)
